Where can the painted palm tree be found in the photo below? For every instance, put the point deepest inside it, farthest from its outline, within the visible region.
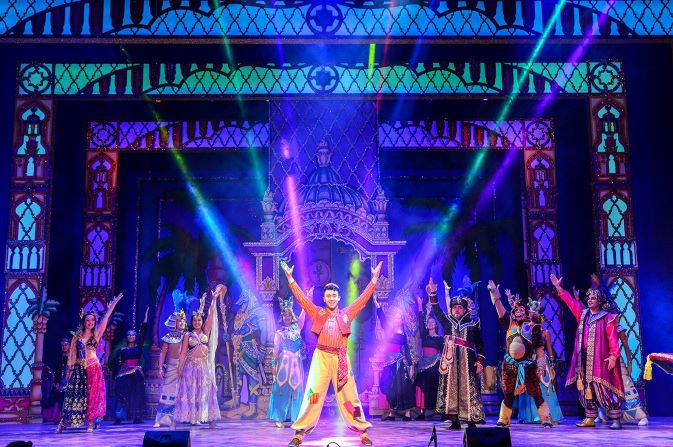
(464, 235)
(39, 309)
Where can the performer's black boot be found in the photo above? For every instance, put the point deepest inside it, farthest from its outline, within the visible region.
(455, 425)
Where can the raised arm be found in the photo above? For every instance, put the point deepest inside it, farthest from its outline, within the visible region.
(575, 306)
(100, 329)
(421, 317)
(301, 320)
(494, 291)
(437, 312)
(354, 309)
(305, 303)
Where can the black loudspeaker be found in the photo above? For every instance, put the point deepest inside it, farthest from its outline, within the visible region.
(487, 437)
(167, 439)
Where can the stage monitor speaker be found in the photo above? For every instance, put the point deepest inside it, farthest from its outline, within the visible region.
(167, 439)
(487, 437)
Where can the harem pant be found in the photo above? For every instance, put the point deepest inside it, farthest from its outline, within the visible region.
(532, 383)
(324, 369)
(600, 395)
(596, 394)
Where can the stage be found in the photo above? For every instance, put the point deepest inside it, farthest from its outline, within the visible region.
(398, 433)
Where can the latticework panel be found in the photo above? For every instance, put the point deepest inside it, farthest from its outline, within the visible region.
(209, 79)
(623, 290)
(340, 18)
(445, 134)
(26, 248)
(293, 148)
(177, 135)
(18, 340)
(616, 248)
(541, 222)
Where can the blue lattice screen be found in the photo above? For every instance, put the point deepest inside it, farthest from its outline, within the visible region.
(18, 343)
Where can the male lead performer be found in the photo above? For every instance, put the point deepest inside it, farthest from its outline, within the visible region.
(330, 363)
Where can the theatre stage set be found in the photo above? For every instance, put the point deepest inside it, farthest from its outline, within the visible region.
(160, 147)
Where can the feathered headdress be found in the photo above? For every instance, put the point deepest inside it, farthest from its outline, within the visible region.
(286, 308)
(180, 301)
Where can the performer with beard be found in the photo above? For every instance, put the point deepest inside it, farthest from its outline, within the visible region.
(459, 394)
(595, 365)
(524, 362)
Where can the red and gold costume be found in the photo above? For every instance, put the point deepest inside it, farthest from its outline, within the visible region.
(330, 363)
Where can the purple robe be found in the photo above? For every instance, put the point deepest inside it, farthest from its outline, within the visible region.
(602, 340)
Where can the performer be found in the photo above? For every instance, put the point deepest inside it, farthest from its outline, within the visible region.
(402, 346)
(289, 352)
(169, 359)
(427, 378)
(596, 357)
(524, 361)
(130, 380)
(53, 386)
(527, 411)
(197, 387)
(330, 362)
(633, 410)
(459, 393)
(85, 392)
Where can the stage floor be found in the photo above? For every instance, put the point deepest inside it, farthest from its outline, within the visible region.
(398, 433)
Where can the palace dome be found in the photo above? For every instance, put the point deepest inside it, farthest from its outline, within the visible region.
(324, 185)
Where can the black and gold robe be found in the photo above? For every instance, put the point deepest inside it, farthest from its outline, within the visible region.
(459, 394)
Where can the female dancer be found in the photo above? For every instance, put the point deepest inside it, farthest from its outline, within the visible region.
(85, 392)
(288, 357)
(130, 380)
(427, 379)
(197, 389)
(403, 348)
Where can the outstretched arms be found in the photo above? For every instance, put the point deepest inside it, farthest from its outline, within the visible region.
(575, 306)
(100, 329)
(437, 312)
(494, 291)
(305, 303)
(354, 309)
